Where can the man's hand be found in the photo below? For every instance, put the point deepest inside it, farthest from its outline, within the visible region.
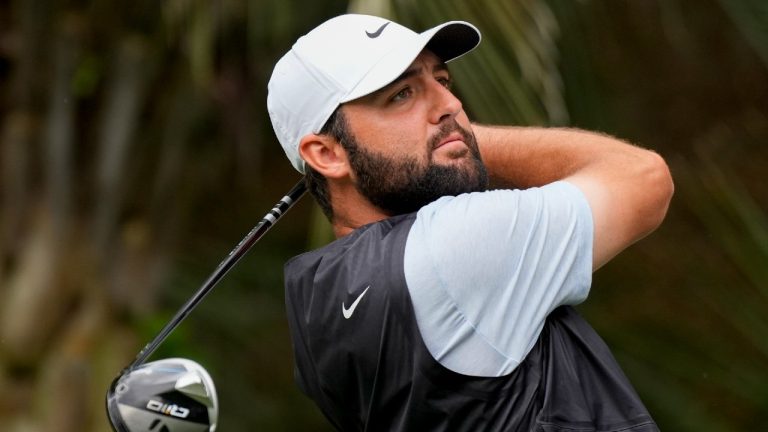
(628, 188)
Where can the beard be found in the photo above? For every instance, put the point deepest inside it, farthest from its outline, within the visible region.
(404, 184)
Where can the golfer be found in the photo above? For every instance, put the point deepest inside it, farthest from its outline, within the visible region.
(445, 304)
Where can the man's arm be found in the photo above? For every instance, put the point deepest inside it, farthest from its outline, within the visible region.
(628, 188)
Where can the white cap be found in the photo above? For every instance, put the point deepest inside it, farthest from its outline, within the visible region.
(345, 58)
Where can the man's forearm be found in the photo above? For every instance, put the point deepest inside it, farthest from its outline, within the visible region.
(523, 157)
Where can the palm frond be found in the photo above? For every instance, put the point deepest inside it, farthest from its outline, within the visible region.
(751, 18)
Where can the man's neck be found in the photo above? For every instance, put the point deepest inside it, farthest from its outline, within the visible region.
(351, 210)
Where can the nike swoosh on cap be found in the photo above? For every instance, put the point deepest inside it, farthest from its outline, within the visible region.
(348, 312)
(377, 33)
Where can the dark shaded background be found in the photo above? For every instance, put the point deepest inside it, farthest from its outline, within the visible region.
(136, 151)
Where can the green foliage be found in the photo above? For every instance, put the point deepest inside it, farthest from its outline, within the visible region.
(751, 17)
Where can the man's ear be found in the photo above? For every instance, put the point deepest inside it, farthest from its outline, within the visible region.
(325, 155)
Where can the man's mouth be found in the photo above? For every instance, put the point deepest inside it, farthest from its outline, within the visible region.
(455, 136)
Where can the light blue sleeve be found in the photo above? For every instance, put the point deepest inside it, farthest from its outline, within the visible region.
(485, 269)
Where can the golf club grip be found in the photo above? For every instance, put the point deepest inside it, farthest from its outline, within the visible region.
(234, 256)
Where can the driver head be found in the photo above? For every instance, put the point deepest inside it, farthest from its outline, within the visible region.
(170, 395)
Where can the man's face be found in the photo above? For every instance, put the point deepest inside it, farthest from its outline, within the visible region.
(411, 143)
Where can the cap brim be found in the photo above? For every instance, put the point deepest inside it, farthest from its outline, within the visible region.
(453, 39)
(448, 41)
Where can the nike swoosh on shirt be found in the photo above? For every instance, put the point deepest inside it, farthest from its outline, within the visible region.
(376, 34)
(348, 312)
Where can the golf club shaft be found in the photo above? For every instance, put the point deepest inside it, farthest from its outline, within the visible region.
(245, 244)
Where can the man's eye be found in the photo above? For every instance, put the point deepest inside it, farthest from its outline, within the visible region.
(445, 82)
(402, 94)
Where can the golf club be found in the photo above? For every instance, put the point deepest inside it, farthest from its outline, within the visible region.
(178, 395)
(169, 395)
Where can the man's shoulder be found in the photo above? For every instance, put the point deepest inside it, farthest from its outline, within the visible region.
(482, 212)
(370, 233)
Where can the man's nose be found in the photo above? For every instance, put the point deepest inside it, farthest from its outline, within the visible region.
(445, 104)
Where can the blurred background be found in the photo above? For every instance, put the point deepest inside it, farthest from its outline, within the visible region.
(136, 151)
